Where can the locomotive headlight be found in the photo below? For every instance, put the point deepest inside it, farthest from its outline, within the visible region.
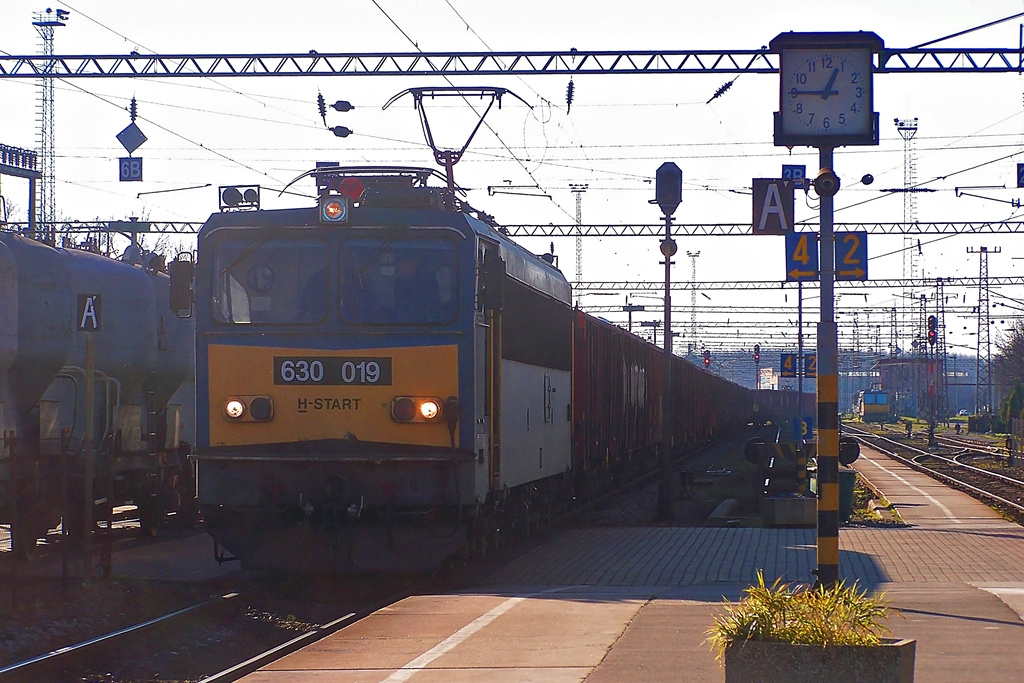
(429, 409)
(416, 409)
(403, 410)
(234, 409)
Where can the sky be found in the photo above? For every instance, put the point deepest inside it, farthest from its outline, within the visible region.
(619, 129)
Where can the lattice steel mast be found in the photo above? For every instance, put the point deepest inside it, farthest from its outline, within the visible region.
(578, 189)
(983, 368)
(45, 23)
(908, 129)
(693, 295)
(941, 393)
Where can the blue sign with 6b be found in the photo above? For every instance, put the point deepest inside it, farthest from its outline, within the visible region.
(129, 169)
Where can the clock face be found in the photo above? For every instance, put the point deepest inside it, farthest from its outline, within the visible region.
(826, 95)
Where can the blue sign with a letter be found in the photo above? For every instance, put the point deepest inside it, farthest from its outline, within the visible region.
(794, 172)
(130, 169)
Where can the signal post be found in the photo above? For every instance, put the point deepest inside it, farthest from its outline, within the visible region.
(668, 195)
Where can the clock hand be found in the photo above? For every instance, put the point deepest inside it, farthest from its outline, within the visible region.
(827, 90)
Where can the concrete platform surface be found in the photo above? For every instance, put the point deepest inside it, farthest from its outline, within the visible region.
(634, 604)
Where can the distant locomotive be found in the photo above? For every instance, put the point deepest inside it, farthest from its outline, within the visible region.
(875, 406)
(385, 380)
(144, 359)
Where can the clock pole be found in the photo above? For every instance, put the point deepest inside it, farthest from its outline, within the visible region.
(826, 100)
(828, 391)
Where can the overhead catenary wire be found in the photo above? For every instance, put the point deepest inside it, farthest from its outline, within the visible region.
(485, 123)
(220, 85)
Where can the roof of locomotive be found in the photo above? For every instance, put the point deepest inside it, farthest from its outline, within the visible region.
(521, 264)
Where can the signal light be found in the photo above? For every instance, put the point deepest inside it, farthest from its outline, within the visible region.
(933, 329)
(757, 353)
(707, 359)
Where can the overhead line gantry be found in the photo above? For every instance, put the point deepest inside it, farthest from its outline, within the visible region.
(895, 283)
(565, 62)
(602, 230)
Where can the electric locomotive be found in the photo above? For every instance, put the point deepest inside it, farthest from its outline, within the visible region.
(874, 406)
(376, 375)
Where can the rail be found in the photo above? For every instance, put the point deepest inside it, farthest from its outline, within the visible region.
(873, 439)
(42, 667)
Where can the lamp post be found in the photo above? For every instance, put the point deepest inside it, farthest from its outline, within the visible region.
(668, 195)
(655, 324)
(629, 308)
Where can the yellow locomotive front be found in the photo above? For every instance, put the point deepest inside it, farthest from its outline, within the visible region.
(333, 362)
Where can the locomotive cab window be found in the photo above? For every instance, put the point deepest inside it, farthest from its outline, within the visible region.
(275, 281)
(399, 281)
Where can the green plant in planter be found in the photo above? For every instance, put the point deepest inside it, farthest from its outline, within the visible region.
(784, 613)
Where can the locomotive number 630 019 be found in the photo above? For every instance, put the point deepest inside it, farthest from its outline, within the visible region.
(332, 371)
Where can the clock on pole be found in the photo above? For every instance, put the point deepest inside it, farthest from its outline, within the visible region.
(825, 89)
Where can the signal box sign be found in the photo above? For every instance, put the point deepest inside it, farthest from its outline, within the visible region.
(89, 312)
(773, 206)
(801, 256)
(788, 365)
(851, 256)
(811, 365)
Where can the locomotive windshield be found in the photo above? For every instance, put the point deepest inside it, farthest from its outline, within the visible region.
(398, 281)
(288, 281)
(271, 281)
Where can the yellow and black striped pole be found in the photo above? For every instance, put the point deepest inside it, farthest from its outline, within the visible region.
(828, 388)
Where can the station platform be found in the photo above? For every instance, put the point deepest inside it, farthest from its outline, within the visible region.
(617, 604)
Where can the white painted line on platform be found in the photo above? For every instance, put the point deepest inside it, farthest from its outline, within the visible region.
(931, 498)
(460, 636)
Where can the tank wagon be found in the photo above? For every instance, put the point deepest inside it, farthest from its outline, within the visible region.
(385, 380)
(143, 355)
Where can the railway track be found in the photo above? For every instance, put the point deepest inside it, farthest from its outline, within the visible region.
(972, 446)
(1002, 491)
(140, 651)
(255, 626)
(76, 657)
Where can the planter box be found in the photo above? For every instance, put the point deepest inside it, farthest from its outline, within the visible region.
(755, 661)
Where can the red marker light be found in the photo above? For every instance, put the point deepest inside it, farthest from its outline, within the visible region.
(333, 210)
